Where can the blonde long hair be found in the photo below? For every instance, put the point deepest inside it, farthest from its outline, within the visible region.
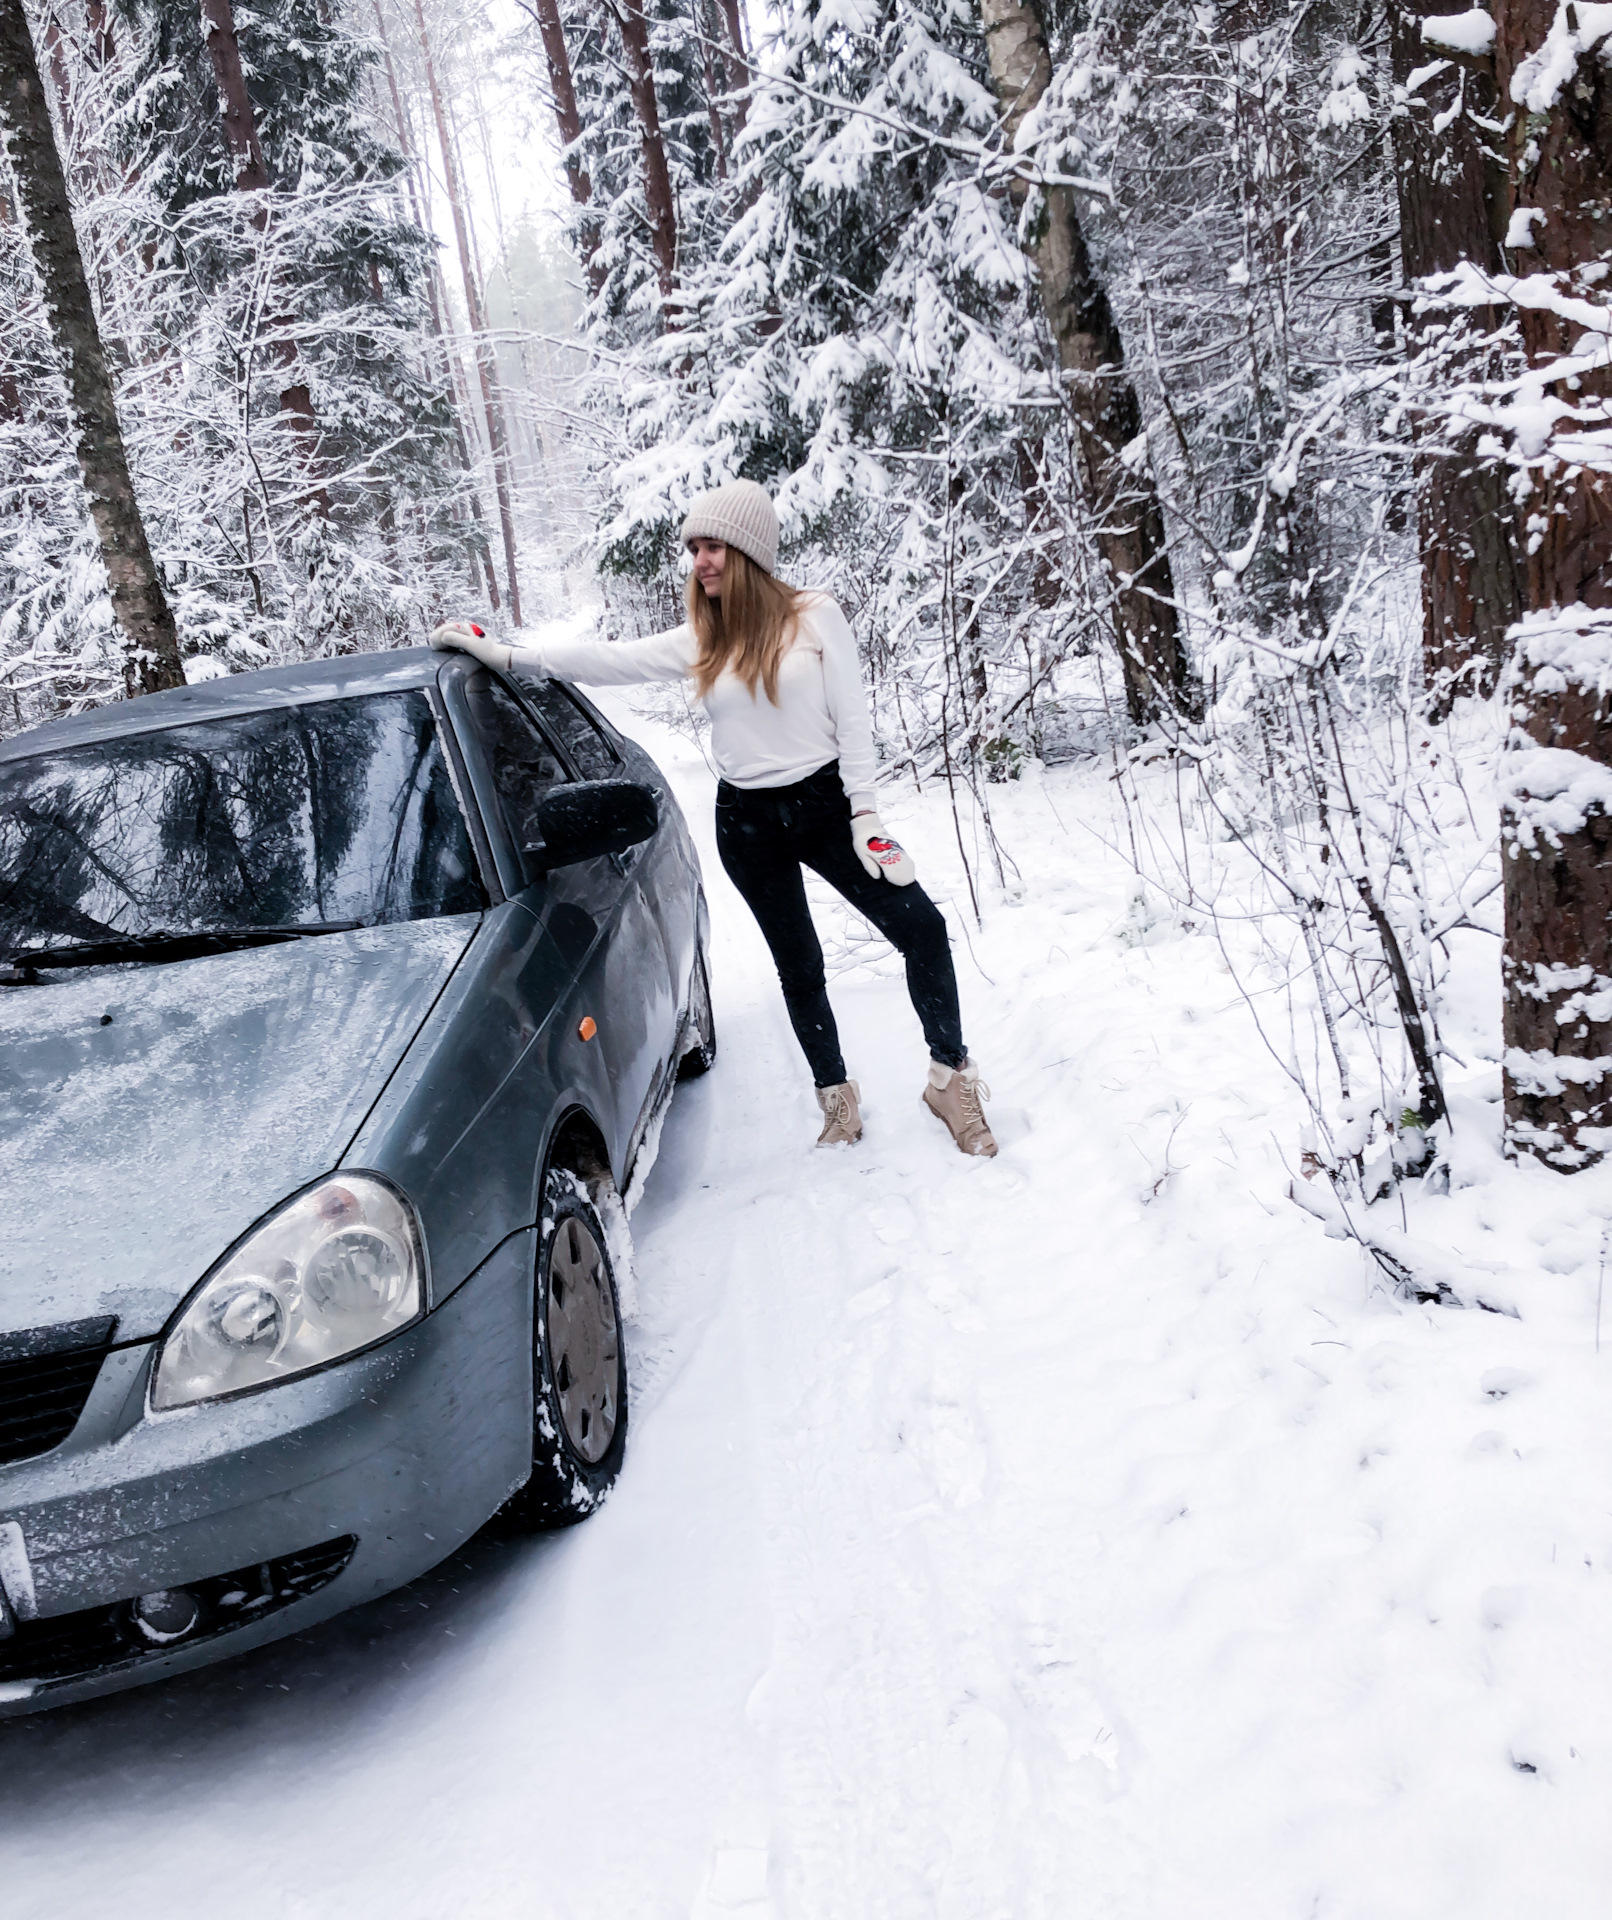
(749, 628)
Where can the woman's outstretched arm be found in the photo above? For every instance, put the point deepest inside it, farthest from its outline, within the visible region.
(847, 703)
(596, 663)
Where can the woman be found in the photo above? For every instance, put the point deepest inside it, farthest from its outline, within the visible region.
(777, 672)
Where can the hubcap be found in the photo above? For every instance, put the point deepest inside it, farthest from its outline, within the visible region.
(584, 1341)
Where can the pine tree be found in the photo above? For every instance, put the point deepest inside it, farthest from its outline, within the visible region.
(858, 334)
(1551, 63)
(1450, 176)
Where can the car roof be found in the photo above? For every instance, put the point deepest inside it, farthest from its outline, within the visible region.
(267, 687)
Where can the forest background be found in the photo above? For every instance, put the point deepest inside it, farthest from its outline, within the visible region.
(1220, 387)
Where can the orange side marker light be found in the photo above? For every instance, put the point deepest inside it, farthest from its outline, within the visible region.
(588, 1027)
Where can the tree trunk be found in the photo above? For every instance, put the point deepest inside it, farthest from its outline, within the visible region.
(739, 65)
(444, 368)
(56, 57)
(454, 370)
(713, 88)
(252, 176)
(1028, 458)
(1557, 967)
(150, 640)
(1556, 831)
(1452, 202)
(566, 115)
(569, 121)
(103, 44)
(534, 443)
(234, 102)
(1124, 501)
(486, 365)
(657, 180)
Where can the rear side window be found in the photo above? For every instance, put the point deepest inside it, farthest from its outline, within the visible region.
(333, 811)
(524, 766)
(579, 734)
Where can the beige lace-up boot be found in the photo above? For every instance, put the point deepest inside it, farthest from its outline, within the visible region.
(842, 1114)
(954, 1095)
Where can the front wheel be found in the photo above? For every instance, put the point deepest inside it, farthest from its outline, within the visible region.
(579, 1362)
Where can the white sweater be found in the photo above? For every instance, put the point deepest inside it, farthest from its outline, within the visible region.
(821, 715)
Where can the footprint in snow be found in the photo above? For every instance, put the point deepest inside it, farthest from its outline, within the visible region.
(893, 1222)
(736, 1884)
(960, 1460)
(869, 1301)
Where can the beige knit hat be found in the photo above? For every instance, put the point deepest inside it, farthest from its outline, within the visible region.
(740, 515)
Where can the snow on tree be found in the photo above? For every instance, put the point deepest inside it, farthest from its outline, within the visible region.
(1234, 377)
(1553, 64)
(150, 642)
(1450, 175)
(260, 283)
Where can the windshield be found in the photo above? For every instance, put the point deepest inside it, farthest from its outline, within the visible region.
(340, 811)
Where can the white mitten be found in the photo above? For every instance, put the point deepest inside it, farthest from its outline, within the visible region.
(883, 857)
(464, 636)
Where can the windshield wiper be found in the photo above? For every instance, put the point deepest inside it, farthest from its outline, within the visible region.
(23, 964)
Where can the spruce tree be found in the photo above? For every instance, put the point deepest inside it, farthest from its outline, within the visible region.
(300, 307)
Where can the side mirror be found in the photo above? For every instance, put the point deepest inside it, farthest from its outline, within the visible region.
(590, 818)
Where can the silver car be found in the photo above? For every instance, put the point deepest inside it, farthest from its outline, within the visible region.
(336, 1003)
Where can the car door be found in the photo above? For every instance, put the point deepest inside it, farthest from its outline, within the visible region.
(666, 869)
(594, 912)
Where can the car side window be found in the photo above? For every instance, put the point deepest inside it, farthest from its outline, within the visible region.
(595, 758)
(524, 765)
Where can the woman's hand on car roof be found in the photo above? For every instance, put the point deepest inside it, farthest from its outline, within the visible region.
(464, 636)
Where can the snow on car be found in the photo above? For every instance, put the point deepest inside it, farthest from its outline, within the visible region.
(336, 1004)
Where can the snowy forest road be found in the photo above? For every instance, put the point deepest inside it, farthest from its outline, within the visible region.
(1074, 1534)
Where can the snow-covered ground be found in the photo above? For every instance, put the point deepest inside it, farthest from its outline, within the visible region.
(1082, 1533)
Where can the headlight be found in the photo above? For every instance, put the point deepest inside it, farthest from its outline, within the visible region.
(335, 1270)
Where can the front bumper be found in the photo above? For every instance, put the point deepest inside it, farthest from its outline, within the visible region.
(405, 1450)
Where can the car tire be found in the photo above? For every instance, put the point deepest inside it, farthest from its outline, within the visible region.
(700, 1055)
(579, 1362)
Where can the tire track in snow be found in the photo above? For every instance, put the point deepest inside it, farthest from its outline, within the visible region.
(852, 1707)
(892, 1710)
(937, 1748)
(1075, 1537)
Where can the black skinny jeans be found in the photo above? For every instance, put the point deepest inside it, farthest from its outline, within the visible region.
(764, 836)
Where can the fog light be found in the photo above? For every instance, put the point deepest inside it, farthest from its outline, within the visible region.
(166, 1616)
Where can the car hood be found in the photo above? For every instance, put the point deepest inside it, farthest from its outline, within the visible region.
(150, 1114)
